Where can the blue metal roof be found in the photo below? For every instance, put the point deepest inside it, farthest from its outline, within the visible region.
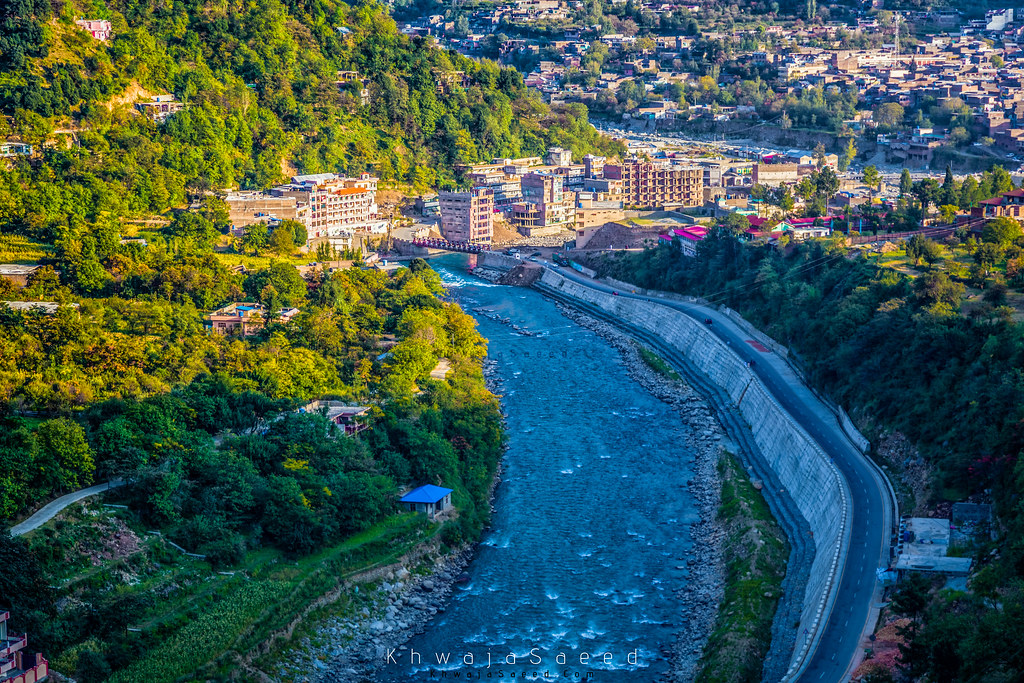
(425, 494)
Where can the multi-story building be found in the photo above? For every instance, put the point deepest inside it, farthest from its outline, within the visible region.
(338, 207)
(654, 185)
(593, 166)
(1008, 204)
(547, 208)
(558, 157)
(16, 665)
(508, 189)
(468, 216)
(774, 175)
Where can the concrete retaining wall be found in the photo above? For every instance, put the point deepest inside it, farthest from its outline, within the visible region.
(815, 484)
(496, 261)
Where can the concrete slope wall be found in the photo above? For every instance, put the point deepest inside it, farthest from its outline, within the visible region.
(492, 259)
(820, 491)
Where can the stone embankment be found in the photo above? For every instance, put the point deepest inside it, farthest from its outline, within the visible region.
(702, 593)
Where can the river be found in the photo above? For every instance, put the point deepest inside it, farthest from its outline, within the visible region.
(592, 515)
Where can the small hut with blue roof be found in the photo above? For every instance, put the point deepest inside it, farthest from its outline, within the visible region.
(428, 499)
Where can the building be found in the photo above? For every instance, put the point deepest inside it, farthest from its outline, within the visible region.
(47, 307)
(349, 418)
(428, 499)
(546, 208)
(1008, 204)
(656, 185)
(99, 29)
(428, 206)
(806, 228)
(468, 216)
(557, 156)
(160, 107)
(689, 237)
(244, 319)
(774, 175)
(339, 207)
(353, 82)
(593, 166)
(923, 546)
(507, 187)
(18, 274)
(250, 206)
(9, 149)
(16, 665)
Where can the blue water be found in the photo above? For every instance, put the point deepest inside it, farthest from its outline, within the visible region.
(592, 515)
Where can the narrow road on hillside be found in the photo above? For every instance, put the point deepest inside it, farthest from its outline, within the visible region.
(871, 514)
(48, 511)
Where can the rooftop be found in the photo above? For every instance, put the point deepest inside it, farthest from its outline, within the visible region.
(426, 494)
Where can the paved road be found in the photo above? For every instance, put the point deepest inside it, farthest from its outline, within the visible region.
(871, 513)
(47, 512)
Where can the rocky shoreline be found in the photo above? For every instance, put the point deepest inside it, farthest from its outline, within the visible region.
(402, 606)
(705, 566)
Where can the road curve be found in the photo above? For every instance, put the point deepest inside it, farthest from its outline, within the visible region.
(47, 512)
(871, 519)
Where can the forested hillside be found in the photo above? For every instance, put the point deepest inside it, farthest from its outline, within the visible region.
(894, 348)
(124, 379)
(260, 85)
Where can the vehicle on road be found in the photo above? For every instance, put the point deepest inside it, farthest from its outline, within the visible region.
(750, 363)
(708, 321)
(615, 293)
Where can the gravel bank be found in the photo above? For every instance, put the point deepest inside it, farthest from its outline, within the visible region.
(702, 593)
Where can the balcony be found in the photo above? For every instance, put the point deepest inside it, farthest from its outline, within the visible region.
(13, 643)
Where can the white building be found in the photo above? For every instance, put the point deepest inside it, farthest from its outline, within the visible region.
(339, 207)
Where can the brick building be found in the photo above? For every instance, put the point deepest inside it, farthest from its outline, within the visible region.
(468, 216)
(651, 185)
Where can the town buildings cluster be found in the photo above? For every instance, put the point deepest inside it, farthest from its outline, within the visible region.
(334, 209)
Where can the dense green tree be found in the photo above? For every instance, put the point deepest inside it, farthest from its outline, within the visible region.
(1001, 231)
(65, 460)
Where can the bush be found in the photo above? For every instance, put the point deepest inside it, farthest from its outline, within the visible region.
(225, 553)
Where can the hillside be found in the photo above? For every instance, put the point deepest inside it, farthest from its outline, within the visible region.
(939, 393)
(261, 89)
(124, 375)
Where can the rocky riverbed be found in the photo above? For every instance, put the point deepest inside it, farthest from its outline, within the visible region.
(702, 593)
